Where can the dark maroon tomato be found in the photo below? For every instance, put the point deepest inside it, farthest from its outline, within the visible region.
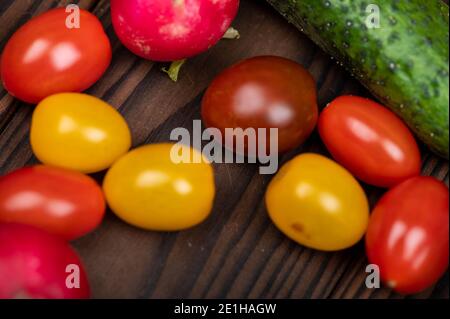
(60, 201)
(264, 92)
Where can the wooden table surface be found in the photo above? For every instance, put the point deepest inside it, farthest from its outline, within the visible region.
(237, 252)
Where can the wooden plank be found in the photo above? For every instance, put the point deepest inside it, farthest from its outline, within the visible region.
(237, 252)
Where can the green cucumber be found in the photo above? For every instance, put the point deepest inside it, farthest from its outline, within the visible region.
(404, 62)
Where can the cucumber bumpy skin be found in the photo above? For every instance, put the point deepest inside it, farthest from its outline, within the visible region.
(404, 62)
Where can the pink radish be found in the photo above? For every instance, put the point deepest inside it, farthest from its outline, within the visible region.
(35, 264)
(170, 30)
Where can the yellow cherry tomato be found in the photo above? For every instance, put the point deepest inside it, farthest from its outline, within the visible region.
(151, 189)
(317, 203)
(79, 132)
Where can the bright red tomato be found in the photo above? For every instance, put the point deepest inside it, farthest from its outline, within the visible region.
(369, 140)
(44, 56)
(264, 92)
(408, 234)
(35, 264)
(63, 202)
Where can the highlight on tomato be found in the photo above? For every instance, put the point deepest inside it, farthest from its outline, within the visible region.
(46, 56)
(408, 234)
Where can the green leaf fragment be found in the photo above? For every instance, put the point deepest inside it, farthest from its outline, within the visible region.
(231, 34)
(174, 69)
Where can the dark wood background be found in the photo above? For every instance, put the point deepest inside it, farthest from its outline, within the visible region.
(237, 252)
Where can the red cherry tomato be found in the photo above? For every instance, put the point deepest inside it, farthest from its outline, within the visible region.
(44, 56)
(63, 202)
(264, 92)
(35, 264)
(369, 140)
(408, 234)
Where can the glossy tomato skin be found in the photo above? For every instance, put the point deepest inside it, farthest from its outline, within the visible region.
(147, 189)
(78, 131)
(369, 140)
(62, 202)
(317, 203)
(34, 264)
(44, 57)
(408, 234)
(162, 30)
(264, 92)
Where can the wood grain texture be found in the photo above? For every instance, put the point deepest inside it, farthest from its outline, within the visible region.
(237, 252)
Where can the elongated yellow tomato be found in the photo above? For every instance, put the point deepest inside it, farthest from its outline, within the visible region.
(150, 188)
(79, 132)
(317, 203)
